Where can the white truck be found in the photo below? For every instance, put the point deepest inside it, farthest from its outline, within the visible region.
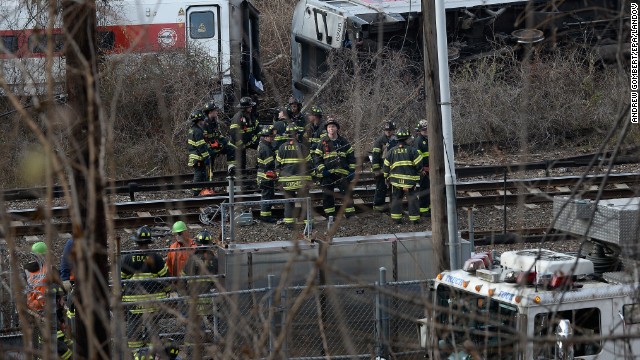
(533, 304)
(226, 30)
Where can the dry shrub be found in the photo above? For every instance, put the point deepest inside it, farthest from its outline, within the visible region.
(148, 99)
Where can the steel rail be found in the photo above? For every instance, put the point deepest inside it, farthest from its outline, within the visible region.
(184, 181)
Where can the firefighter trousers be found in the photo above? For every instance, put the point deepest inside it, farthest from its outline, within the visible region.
(424, 195)
(267, 192)
(290, 213)
(199, 175)
(381, 193)
(328, 195)
(397, 193)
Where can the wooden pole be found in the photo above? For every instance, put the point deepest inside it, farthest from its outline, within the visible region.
(87, 203)
(436, 147)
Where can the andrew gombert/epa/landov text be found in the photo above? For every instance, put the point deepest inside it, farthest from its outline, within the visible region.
(634, 63)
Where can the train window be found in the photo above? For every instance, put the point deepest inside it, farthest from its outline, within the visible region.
(631, 313)
(38, 43)
(9, 44)
(201, 25)
(106, 40)
(314, 61)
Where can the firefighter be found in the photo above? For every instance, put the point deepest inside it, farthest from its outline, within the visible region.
(202, 262)
(266, 172)
(293, 162)
(198, 150)
(170, 351)
(218, 144)
(244, 131)
(181, 248)
(402, 168)
(380, 148)
(280, 127)
(335, 165)
(421, 142)
(296, 117)
(315, 128)
(38, 280)
(147, 266)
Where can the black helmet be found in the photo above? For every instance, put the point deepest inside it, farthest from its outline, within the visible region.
(403, 134)
(197, 115)
(389, 125)
(316, 110)
(210, 106)
(204, 238)
(422, 125)
(246, 102)
(292, 128)
(332, 121)
(171, 349)
(143, 235)
(267, 130)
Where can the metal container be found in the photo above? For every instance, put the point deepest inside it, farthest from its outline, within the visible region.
(615, 221)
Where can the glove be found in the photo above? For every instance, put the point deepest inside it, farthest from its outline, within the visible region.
(271, 174)
(207, 161)
(215, 144)
(231, 169)
(67, 286)
(425, 170)
(351, 176)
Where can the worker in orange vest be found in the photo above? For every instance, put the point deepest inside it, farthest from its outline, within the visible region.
(181, 252)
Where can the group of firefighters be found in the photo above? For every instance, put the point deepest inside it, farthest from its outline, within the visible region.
(142, 271)
(299, 149)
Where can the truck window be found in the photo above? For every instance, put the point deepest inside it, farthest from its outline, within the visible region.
(464, 319)
(586, 325)
(9, 44)
(202, 25)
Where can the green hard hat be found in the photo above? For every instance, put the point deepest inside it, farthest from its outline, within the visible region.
(39, 248)
(178, 227)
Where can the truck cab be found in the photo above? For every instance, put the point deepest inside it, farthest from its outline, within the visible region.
(532, 304)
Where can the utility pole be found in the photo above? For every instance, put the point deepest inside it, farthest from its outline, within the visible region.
(440, 234)
(87, 206)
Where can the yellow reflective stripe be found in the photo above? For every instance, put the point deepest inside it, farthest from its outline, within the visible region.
(424, 153)
(339, 171)
(294, 178)
(386, 162)
(197, 143)
(352, 166)
(418, 160)
(234, 126)
(265, 161)
(396, 216)
(401, 163)
(405, 177)
(375, 150)
(67, 355)
(375, 166)
(291, 161)
(143, 297)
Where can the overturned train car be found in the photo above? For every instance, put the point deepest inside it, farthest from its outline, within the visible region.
(474, 28)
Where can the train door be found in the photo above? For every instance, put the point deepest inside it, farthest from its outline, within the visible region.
(204, 25)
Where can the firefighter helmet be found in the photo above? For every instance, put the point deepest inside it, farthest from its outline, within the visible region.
(197, 115)
(210, 106)
(39, 248)
(178, 227)
(316, 110)
(422, 125)
(204, 238)
(246, 102)
(267, 130)
(143, 235)
(389, 125)
(171, 349)
(332, 121)
(403, 134)
(292, 128)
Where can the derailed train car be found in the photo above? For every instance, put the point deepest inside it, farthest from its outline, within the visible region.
(474, 28)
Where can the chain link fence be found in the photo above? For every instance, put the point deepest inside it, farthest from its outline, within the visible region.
(197, 314)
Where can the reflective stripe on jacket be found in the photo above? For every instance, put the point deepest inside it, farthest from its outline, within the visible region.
(402, 166)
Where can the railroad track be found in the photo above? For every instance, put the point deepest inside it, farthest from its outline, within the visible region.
(184, 181)
(470, 194)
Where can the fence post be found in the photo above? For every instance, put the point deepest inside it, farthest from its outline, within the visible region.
(382, 317)
(283, 318)
(272, 320)
(232, 220)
